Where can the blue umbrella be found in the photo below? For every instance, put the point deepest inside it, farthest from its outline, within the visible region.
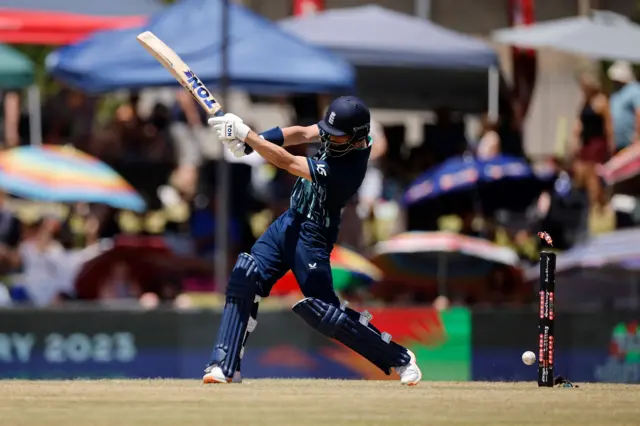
(502, 182)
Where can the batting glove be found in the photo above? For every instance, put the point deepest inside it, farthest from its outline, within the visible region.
(238, 148)
(229, 127)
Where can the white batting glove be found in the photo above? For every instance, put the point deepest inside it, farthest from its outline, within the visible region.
(237, 148)
(229, 127)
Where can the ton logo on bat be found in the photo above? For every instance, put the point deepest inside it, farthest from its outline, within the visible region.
(199, 89)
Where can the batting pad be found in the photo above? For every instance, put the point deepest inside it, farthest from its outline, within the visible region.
(355, 333)
(236, 315)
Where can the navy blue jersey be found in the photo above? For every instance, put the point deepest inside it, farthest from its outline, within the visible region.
(334, 180)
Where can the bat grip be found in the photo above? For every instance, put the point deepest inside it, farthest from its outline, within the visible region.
(218, 113)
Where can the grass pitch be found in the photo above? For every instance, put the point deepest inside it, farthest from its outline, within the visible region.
(311, 402)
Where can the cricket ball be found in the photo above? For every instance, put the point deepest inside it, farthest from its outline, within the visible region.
(529, 358)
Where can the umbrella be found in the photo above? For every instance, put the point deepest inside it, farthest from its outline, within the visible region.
(502, 182)
(16, 70)
(606, 249)
(599, 270)
(64, 174)
(150, 262)
(602, 35)
(419, 257)
(622, 172)
(21, 26)
(348, 269)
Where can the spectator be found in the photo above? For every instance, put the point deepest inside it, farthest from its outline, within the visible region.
(187, 129)
(203, 227)
(361, 207)
(446, 137)
(11, 119)
(42, 258)
(489, 144)
(593, 134)
(625, 104)
(67, 118)
(10, 236)
(510, 127)
(565, 209)
(467, 225)
(10, 228)
(120, 284)
(371, 189)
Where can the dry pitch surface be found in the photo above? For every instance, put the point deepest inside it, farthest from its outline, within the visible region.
(312, 402)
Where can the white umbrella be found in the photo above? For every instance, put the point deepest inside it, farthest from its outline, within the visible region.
(594, 272)
(602, 35)
(443, 255)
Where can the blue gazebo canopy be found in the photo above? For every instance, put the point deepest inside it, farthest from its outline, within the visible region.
(262, 57)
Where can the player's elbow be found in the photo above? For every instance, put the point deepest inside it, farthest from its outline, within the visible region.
(297, 166)
(284, 160)
(282, 163)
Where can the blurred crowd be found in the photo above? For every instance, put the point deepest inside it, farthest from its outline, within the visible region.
(42, 253)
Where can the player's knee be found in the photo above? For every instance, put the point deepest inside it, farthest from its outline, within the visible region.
(244, 278)
(325, 318)
(325, 294)
(317, 283)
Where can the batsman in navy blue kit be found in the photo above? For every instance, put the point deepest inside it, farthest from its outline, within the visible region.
(302, 239)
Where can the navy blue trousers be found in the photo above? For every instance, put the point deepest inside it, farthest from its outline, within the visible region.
(293, 243)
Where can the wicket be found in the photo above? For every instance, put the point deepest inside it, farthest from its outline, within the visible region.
(546, 320)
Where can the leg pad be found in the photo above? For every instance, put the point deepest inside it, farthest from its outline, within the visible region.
(354, 331)
(236, 316)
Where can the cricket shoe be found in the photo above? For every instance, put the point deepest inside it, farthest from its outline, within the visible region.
(410, 374)
(214, 375)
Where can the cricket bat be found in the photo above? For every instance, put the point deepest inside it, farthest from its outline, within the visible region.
(181, 71)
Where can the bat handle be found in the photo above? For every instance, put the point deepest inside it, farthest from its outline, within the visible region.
(218, 113)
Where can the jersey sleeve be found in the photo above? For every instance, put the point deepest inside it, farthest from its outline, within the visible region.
(320, 171)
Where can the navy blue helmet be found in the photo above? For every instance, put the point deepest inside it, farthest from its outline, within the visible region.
(346, 116)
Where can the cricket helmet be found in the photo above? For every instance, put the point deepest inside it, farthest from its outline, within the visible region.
(346, 116)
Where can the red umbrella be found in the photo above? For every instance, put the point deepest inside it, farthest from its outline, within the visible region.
(149, 260)
(20, 26)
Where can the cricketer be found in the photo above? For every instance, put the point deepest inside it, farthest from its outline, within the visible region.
(302, 238)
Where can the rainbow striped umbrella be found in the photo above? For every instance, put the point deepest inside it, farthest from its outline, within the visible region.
(64, 174)
(348, 269)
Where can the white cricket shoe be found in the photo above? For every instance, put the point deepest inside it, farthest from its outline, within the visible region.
(209, 377)
(214, 375)
(410, 374)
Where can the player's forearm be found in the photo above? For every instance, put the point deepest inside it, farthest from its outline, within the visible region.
(271, 152)
(290, 136)
(296, 135)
